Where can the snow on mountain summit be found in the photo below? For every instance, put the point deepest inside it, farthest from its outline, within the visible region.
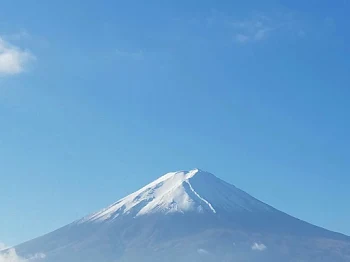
(188, 216)
(180, 192)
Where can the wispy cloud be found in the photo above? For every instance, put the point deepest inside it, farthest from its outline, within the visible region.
(259, 247)
(253, 30)
(261, 27)
(135, 55)
(36, 257)
(20, 35)
(242, 38)
(254, 27)
(203, 251)
(13, 59)
(2, 246)
(10, 255)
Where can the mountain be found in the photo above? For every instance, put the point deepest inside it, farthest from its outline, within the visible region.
(189, 216)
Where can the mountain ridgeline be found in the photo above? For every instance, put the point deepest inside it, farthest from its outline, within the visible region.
(189, 216)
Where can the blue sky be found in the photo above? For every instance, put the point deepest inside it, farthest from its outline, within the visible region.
(98, 98)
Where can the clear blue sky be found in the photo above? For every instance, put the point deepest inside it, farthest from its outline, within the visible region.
(98, 98)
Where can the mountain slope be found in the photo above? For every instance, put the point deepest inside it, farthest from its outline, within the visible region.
(176, 193)
(189, 216)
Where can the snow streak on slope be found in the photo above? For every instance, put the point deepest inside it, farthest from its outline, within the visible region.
(183, 191)
(197, 195)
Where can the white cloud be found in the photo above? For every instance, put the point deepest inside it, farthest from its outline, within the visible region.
(258, 247)
(13, 60)
(36, 256)
(253, 30)
(241, 38)
(202, 251)
(21, 35)
(10, 256)
(261, 27)
(2, 246)
(262, 33)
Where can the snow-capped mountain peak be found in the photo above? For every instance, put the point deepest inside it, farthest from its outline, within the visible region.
(180, 192)
(188, 216)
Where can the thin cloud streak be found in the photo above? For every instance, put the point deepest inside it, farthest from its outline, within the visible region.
(138, 55)
(260, 27)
